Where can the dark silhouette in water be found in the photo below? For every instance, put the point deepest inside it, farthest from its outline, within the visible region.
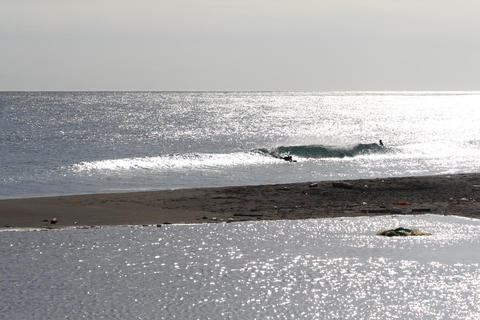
(288, 158)
(380, 142)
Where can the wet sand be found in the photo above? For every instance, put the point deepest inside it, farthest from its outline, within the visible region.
(446, 195)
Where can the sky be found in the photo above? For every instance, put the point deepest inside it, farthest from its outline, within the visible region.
(301, 45)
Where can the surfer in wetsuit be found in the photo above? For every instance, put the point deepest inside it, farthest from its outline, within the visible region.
(288, 158)
(380, 142)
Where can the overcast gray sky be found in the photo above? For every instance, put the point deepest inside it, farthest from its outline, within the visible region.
(239, 45)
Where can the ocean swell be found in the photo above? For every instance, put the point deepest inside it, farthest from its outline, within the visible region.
(215, 160)
(322, 151)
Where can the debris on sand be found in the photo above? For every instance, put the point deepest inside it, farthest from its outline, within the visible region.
(248, 214)
(396, 211)
(421, 210)
(402, 203)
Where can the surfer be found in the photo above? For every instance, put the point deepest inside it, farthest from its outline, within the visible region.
(288, 158)
(380, 142)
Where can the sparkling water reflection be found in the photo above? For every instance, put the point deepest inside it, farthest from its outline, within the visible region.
(308, 269)
(89, 142)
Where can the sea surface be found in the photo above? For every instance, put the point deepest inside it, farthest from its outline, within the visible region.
(297, 269)
(54, 143)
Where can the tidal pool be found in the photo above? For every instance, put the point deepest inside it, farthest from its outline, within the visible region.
(303, 269)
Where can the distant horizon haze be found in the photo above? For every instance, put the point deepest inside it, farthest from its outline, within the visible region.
(212, 45)
(332, 92)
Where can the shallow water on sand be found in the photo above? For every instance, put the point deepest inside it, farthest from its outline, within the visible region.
(302, 269)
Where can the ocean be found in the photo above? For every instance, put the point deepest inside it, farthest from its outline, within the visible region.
(58, 143)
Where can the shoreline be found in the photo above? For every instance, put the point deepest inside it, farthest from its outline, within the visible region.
(454, 194)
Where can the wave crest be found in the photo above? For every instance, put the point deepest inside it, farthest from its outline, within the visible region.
(321, 151)
(212, 160)
(175, 162)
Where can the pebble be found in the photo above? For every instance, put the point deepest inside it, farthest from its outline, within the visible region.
(421, 210)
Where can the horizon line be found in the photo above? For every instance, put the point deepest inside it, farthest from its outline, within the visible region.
(240, 91)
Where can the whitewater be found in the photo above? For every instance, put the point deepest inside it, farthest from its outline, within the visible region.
(55, 143)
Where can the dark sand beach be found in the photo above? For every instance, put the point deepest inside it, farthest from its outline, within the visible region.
(457, 194)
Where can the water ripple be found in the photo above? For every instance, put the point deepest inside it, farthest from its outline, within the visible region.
(308, 269)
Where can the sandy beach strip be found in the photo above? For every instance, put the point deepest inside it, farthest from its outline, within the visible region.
(456, 194)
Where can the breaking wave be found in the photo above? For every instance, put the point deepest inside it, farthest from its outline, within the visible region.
(176, 161)
(216, 160)
(321, 151)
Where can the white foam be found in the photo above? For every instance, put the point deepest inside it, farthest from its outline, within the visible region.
(179, 161)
